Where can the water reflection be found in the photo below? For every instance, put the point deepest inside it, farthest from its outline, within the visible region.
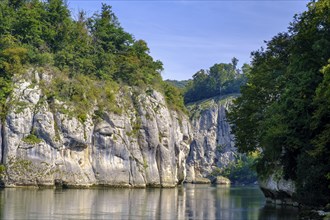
(187, 202)
(273, 212)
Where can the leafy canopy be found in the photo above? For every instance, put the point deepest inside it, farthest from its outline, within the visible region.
(97, 49)
(220, 79)
(284, 109)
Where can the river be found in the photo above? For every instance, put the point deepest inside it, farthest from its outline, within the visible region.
(184, 202)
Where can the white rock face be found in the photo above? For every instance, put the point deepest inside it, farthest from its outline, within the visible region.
(278, 190)
(147, 145)
(213, 144)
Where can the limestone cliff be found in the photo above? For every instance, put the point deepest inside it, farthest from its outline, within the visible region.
(277, 189)
(41, 146)
(213, 144)
(146, 145)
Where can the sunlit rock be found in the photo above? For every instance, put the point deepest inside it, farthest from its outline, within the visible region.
(146, 145)
(213, 144)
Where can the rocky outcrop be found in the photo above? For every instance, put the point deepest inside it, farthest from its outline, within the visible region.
(276, 189)
(213, 144)
(146, 145)
(220, 180)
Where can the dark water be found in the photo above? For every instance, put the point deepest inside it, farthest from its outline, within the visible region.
(186, 202)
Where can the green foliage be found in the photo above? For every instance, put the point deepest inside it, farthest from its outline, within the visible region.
(31, 139)
(2, 170)
(12, 56)
(320, 120)
(313, 165)
(80, 94)
(94, 55)
(240, 171)
(174, 97)
(178, 84)
(220, 79)
(20, 166)
(195, 109)
(145, 164)
(284, 107)
(5, 89)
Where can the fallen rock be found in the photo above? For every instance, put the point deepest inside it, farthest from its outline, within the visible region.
(221, 180)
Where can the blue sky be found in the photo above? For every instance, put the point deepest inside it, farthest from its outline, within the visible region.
(191, 35)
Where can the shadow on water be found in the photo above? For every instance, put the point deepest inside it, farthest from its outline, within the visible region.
(184, 202)
(271, 211)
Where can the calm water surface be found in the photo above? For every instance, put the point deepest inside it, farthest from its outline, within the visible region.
(185, 202)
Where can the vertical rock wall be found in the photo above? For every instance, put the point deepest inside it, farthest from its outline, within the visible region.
(145, 145)
(213, 144)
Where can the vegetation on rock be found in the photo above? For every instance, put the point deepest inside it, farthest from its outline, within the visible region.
(241, 170)
(221, 79)
(31, 139)
(94, 55)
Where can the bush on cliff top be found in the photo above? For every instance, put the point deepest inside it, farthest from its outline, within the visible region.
(94, 49)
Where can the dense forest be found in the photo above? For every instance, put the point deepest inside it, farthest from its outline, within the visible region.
(283, 110)
(90, 57)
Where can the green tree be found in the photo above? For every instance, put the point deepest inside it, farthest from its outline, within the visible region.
(7, 17)
(283, 108)
(56, 24)
(27, 25)
(220, 79)
(90, 52)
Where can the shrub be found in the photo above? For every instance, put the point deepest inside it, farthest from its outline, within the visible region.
(31, 139)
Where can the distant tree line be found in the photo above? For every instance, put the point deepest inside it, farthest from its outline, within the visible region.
(220, 79)
(180, 84)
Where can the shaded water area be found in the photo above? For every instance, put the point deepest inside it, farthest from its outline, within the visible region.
(184, 202)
